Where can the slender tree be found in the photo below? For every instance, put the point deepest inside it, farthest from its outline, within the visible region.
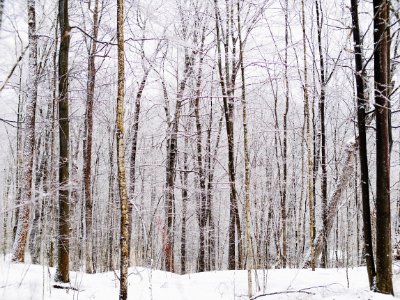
(29, 143)
(324, 179)
(308, 141)
(62, 273)
(123, 194)
(202, 214)
(172, 144)
(285, 146)
(362, 102)
(249, 252)
(88, 141)
(227, 83)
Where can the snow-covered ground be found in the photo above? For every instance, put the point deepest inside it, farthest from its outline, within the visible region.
(26, 281)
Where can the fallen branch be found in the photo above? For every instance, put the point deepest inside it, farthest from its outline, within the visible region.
(283, 292)
(346, 173)
(65, 287)
(304, 291)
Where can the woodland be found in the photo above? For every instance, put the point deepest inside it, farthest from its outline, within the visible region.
(200, 135)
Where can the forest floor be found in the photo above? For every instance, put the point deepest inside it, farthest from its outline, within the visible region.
(28, 281)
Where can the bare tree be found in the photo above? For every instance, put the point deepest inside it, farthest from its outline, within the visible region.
(88, 140)
(324, 179)
(123, 194)
(308, 139)
(383, 226)
(362, 102)
(29, 143)
(62, 273)
(227, 83)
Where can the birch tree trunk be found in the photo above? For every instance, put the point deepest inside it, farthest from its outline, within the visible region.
(123, 195)
(284, 154)
(29, 143)
(202, 210)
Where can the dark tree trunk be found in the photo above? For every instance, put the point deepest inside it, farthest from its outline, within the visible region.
(62, 273)
(202, 209)
(383, 227)
(362, 103)
(324, 182)
(184, 179)
(228, 88)
(172, 150)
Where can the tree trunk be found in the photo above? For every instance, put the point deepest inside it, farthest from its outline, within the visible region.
(228, 88)
(172, 145)
(324, 181)
(308, 138)
(135, 132)
(88, 141)
(62, 273)
(284, 154)
(184, 180)
(348, 168)
(383, 226)
(29, 143)
(35, 236)
(249, 252)
(362, 103)
(123, 195)
(202, 210)
(1, 12)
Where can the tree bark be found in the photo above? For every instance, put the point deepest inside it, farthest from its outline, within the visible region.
(123, 195)
(362, 103)
(62, 273)
(184, 180)
(309, 159)
(249, 252)
(348, 168)
(284, 154)
(1, 12)
(324, 181)
(29, 143)
(172, 150)
(383, 226)
(88, 141)
(228, 88)
(202, 210)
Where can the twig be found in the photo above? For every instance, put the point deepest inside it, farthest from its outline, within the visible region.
(13, 69)
(9, 122)
(111, 43)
